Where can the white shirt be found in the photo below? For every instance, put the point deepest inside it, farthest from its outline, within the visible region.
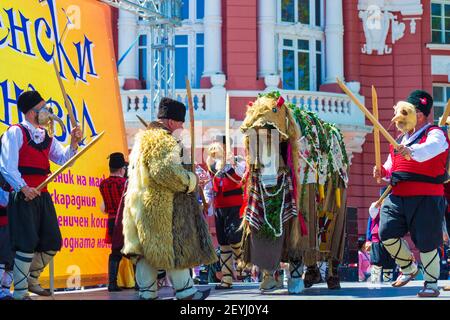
(12, 141)
(421, 152)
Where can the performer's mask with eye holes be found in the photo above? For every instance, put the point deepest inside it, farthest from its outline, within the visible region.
(404, 116)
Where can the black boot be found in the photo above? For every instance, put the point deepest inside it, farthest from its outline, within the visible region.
(113, 271)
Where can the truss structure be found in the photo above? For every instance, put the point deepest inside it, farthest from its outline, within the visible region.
(161, 17)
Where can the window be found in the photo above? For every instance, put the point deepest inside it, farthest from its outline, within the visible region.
(301, 63)
(189, 44)
(441, 93)
(189, 59)
(193, 9)
(301, 11)
(181, 60)
(199, 54)
(440, 22)
(143, 56)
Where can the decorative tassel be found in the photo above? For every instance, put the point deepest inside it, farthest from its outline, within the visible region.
(338, 197)
(321, 192)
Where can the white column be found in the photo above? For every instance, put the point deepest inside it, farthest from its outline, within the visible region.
(127, 34)
(213, 38)
(334, 41)
(267, 17)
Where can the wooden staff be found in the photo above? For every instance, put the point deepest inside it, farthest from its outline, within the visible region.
(68, 163)
(65, 96)
(192, 128)
(368, 114)
(445, 114)
(142, 121)
(227, 127)
(376, 132)
(383, 196)
(191, 118)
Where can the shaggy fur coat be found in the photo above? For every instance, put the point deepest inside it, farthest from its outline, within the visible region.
(161, 222)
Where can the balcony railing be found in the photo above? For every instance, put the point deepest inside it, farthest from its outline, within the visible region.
(138, 102)
(331, 107)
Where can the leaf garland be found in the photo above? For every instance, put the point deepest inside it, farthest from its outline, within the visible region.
(317, 131)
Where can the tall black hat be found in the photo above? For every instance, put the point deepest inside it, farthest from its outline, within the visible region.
(171, 109)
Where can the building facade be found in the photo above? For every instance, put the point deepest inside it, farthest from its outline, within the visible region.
(299, 47)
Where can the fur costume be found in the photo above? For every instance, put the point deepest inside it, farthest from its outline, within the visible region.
(161, 221)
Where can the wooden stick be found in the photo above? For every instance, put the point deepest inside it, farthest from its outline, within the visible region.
(383, 196)
(68, 163)
(192, 128)
(227, 127)
(66, 98)
(367, 114)
(191, 118)
(445, 114)
(376, 132)
(142, 121)
(51, 267)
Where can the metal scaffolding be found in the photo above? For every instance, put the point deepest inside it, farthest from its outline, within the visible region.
(161, 17)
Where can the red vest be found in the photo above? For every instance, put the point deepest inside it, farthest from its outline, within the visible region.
(432, 168)
(34, 163)
(227, 193)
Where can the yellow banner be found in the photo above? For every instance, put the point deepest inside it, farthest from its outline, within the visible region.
(78, 35)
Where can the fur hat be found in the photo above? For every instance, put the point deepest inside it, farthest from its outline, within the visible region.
(28, 100)
(422, 100)
(171, 109)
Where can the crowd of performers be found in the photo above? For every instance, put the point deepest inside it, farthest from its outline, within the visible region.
(283, 202)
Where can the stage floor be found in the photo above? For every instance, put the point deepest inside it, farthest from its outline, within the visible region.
(249, 291)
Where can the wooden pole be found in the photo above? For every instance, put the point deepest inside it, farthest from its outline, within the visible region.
(142, 121)
(376, 132)
(51, 270)
(445, 114)
(192, 129)
(66, 98)
(68, 163)
(227, 127)
(367, 114)
(383, 196)
(192, 125)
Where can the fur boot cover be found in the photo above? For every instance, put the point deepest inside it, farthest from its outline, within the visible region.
(161, 222)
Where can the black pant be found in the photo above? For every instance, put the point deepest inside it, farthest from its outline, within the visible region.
(33, 225)
(227, 225)
(421, 216)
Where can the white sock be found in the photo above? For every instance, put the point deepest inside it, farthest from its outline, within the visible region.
(21, 271)
(399, 250)
(40, 261)
(431, 268)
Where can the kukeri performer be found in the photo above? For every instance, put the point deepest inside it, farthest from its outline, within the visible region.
(227, 198)
(26, 152)
(416, 204)
(163, 223)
